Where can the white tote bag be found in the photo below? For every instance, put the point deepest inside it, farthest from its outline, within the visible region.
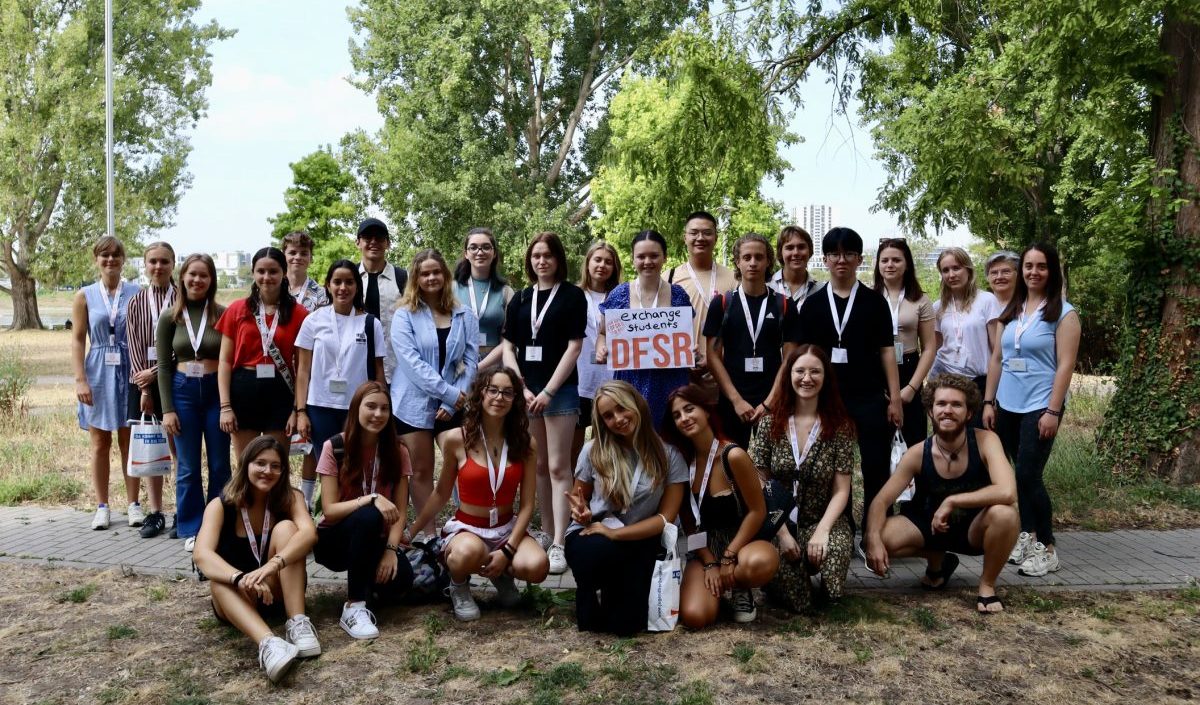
(899, 448)
(299, 445)
(664, 585)
(149, 453)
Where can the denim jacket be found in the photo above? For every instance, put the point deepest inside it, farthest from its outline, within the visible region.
(417, 388)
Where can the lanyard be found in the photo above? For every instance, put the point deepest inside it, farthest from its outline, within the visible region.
(637, 480)
(801, 455)
(958, 325)
(535, 319)
(113, 306)
(479, 308)
(340, 353)
(156, 310)
(705, 295)
(268, 334)
(895, 310)
(840, 324)
(195, 336)
(495, 477)
(637, 291)
(374, 475)
(594, 299)
(259, 549)
(755, 330)
(1020, 326)
(708, 465)
(303, 295)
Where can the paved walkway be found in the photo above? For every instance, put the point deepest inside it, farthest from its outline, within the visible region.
(1115, 560)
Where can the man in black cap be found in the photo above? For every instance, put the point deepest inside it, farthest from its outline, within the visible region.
(383, 282)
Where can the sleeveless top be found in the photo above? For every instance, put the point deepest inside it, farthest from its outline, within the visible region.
(109, 383)
(236, 549)
(491, 318)
(933, 489)
(474, 486)
(725, 511)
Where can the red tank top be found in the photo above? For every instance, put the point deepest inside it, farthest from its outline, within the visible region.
(474, 487)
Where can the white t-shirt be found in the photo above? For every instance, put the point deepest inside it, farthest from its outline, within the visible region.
(964, 350)
(337, 359)
(591, 375)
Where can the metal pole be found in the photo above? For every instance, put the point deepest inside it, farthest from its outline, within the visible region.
(108, 116)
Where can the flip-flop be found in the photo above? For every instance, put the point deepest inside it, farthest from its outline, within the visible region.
(982, 603)
(949, 565)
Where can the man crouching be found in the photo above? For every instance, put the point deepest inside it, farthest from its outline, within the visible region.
(965, 496)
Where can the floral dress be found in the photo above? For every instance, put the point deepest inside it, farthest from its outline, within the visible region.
(813, 483)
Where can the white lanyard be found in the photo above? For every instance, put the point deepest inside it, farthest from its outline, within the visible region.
(535, 319)
(895, 310)
(267, 334)
(156, 310)
(303, 295)
(594, 299)
(1020, 326)
(195, 336)
(374, 475)
(340, 353)
(495, 477)
(755, 330)
(637, 291)
(797, 453)
(840, 325)
(705, 295)
(259, 549)
(479, 309)
(958, 325)
(708, 465)
(637, 480)
(113, 306)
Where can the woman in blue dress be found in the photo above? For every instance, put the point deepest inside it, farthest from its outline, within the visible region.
(648, 290)
(102, 375)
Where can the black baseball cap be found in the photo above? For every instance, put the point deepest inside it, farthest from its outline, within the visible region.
(373, 227)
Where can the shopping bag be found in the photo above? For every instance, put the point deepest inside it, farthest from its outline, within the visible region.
(149, 453)
(664, 584)
(899, 448)
(299, 445)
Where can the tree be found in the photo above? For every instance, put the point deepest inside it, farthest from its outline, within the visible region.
(52, 129)
(494, 111)
(324, 199)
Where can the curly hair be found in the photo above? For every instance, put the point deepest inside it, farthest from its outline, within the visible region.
(946, 380)
(516, 422)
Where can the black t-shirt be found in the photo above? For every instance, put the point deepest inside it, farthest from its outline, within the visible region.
(566, 320)
(736, 345)
(868, 329)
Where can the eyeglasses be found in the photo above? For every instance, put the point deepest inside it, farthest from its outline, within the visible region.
(705, 233)
(842, 256)
(479, 248)
(498, 393)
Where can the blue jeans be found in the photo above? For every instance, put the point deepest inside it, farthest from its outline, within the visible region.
(326, 423)
(1029, 453)
(199, 409)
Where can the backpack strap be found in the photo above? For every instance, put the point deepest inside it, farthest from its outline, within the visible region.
(401, 275)
(338, 443)
(671, 276)
(737, 494)
(369, 329)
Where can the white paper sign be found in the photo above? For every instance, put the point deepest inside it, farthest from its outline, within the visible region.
(649, 338)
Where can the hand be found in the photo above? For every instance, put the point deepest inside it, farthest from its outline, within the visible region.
(386, 570)
(581, 512)
(390, 512)
(303, 425)
(941, 518)
(895, 411)
(442, 415)
(877, 555)
(769, 402)
(744, 411)
(83, 392)
(228, 421)
(818, 547)
(907, 394)
(1048, 426)
(461, 401)
(170, 423)
(601, 353)
(146, 377)
(290, 427)
(788, 548)
(255, 585)
(539, 403)
(598, 528)
(712, 580)
(146, 404)
(496, 564)
(698, 356)
(759, 412)
(726, 576)
(989, 417)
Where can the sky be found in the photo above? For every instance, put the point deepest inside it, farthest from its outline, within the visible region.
(281, 90)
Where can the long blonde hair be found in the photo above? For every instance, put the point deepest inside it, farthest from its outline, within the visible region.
(412, 300)
(585, 277)
(960, 255)
(609, 453)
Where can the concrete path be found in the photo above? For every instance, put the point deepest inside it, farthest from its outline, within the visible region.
(1115, 560)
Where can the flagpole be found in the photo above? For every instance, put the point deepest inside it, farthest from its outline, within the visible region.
(108, 117)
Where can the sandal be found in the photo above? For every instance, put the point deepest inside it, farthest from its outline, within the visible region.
(949, 565)
(983, 604)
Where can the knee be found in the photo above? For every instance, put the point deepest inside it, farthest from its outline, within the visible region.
(696, 615)
(466, 557)
(532, 569)
(281, 533)
(758, 564)
(1003, 516)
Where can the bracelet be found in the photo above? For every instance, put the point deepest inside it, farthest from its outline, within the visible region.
(729, 561)
(393, 547)
(237, 578)
(1055, 413)
(714, 564)
(508, 551)
(547, 392)
(300, 409)
(282, 560)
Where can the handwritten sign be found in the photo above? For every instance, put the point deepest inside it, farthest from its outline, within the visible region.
(649, 338)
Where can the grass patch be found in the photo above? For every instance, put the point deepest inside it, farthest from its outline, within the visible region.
(455, 671)
(862, 653)
(424, 656)
(157, 593)
(857, 609)
(747, 658)
(1106, 613)
(79, 595)
(696, 692)
(1191, 593)
(44, 459)
(1035, 601)
(506, 676)
(121, 631)
(926, 619)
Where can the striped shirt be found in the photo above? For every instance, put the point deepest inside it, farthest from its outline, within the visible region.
(141, 325)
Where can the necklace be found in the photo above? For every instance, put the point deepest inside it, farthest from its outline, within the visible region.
(951, 455)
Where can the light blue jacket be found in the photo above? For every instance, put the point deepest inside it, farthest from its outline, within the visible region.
(418, 389)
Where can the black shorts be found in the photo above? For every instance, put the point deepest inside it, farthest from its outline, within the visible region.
(585, 414)
(134, 407)
(954, 540)
(438, 426)
(259, 404)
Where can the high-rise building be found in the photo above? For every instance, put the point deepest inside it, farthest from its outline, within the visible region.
(817, 219)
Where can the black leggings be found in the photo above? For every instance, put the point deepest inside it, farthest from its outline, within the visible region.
(620, 571)
(874, 446)
(356, 544)
(1019, 435)
(915, 430)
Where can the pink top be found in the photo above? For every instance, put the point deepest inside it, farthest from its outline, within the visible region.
(328, 465)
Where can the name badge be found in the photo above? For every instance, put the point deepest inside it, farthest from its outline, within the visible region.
(754, 364)
(493, 516)
(152, 354)
(533, 353)
(481, 341)
(360, 338)
(265, 371)
(112, 359)
(697, 541)
(1017, 364)
(838, 356)
(338, 386)
(193, 369)
(899, 348)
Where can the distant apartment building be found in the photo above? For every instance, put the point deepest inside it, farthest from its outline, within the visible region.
(228, 263)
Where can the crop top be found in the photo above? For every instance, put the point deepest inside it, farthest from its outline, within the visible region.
(474, 486)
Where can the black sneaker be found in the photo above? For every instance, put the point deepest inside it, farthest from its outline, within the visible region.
(153, 525)
(174, 526)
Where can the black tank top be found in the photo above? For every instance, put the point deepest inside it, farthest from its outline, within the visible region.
(724, 512)
(933, 489)
(233, 548)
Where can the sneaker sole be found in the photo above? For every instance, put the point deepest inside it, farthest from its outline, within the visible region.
(353, 636)
(281, 671)
(467, 618)
(308, 653)
(745, 617)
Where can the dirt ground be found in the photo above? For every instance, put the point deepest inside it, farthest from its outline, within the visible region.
(71, 636)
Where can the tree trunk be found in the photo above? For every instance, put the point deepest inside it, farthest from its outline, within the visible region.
(24, 300)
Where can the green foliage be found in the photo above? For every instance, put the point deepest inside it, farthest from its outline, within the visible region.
(121, 631)
(424, 655)
(696, 692)
(78, 595)
(926, 619)
(324, 200)
(335, 248)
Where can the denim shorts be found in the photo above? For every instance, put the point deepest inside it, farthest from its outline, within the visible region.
(564, 403)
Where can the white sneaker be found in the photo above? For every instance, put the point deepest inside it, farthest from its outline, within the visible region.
(1022, 550)
(558, 559)
(275, 656)
(358, 621)
(507, 594)
(303, 636)
(101, 519)
(744, 610)
(465, 608)
(135, 515)
(1040, 563)
(189, 544)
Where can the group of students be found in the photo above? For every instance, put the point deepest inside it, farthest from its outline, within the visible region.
(751, 451)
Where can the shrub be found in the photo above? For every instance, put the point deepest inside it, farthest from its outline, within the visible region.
(15, 381)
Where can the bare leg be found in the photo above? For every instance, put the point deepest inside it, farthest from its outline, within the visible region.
(697, 606)
(232, 605)
(420, 453)
(757, 563)
(530, 562)
(994, 526)
(292, 580)
(308, 468)
(133, 485)
(558, 446)
(241, 439)
(101, 461)
(465, 554)
(537, 428)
